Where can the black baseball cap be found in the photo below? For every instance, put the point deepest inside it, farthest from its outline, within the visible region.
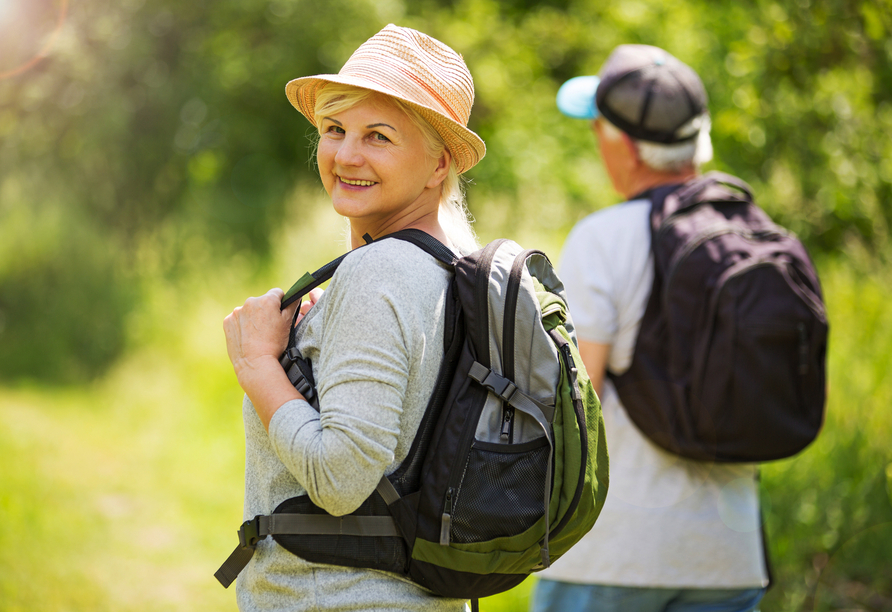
(644, 91)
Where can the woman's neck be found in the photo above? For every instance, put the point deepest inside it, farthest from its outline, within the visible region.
(428, 224)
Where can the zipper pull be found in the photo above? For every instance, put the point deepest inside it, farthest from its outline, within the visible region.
(572, 372)
(446, 520)
(506, 426)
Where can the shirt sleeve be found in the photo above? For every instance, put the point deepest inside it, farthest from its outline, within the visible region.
(585, 272)
(374, 325)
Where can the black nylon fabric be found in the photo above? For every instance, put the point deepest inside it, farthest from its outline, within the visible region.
(730, 361)
(384, 553)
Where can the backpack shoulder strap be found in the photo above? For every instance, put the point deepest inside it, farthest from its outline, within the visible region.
(426, 243)
(310, 281)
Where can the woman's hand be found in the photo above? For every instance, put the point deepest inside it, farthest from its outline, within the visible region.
(256, 336)
(257, 330)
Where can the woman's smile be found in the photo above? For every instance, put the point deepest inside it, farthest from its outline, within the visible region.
(357, 182)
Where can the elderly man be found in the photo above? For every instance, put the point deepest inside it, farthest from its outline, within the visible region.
(675, 534)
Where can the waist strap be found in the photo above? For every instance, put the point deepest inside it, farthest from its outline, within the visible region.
(261, 526)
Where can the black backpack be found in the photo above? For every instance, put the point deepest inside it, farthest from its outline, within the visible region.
(508, 468)
(729, 363)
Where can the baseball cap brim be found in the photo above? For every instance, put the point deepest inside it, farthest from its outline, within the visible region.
(576, 97)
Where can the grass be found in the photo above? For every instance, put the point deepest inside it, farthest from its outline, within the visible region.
(125, 495)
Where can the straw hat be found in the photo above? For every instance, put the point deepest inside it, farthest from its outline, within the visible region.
(417, 69)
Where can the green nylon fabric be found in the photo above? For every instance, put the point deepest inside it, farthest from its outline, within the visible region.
(597, 468)
(302, 282)
(496, 562)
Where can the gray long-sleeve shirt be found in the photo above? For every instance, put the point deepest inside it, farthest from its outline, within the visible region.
(375, 340)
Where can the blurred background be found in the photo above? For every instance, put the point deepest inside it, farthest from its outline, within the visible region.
(153, 175)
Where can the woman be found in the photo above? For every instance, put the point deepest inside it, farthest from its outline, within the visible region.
(393, 142)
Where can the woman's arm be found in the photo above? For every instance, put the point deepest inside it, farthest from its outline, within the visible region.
(256, 335)
(380, 348)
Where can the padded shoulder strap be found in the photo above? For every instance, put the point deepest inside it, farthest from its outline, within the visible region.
(308, 282)
(425, 242)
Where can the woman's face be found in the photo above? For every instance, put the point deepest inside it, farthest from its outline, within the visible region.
(374, 165)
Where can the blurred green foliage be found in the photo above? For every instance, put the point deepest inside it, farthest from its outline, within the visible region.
(155, 133)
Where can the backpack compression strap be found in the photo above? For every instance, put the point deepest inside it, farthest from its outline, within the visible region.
(261, 526)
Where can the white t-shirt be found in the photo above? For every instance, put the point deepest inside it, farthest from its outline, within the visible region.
(667, 521)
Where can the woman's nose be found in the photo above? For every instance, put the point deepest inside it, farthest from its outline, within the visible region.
(348, 153)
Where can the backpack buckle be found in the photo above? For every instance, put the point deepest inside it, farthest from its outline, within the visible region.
(249, 533)
(499, 385)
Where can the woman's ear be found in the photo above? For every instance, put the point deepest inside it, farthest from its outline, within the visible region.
(441, 171)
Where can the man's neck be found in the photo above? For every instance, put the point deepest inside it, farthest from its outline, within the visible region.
(650, 179)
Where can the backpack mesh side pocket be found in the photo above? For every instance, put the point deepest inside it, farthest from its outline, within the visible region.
(501, 490)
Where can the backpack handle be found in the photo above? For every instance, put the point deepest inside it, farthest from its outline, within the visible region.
(688, 194)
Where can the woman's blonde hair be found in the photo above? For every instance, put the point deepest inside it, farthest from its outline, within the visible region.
(453, 214)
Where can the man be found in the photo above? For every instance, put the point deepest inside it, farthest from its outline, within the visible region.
(674, 534)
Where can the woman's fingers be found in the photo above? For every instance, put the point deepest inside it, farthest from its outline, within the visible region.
(312, 297)
(288, 313)
(259, 328)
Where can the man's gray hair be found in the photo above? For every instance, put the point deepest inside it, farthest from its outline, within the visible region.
(673, 158)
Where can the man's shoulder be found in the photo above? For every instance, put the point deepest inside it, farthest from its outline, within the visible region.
(613, 221)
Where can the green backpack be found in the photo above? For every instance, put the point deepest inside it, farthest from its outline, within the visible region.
(508, 468)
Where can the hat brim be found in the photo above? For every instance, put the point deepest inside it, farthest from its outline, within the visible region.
(576, 97)
(466, 147)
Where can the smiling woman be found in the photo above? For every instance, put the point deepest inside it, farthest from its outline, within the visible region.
(393, 141)
(453, 216)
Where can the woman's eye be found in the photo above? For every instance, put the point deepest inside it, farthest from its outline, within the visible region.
(381, 137)
(335, 129)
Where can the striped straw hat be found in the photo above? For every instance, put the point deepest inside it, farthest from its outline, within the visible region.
(417, 69)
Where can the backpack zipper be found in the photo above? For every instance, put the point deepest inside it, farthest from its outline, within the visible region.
(455, 472)
(483, 268)
(564, 348)
(509, 324)
(446, 519)
(507, 425)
